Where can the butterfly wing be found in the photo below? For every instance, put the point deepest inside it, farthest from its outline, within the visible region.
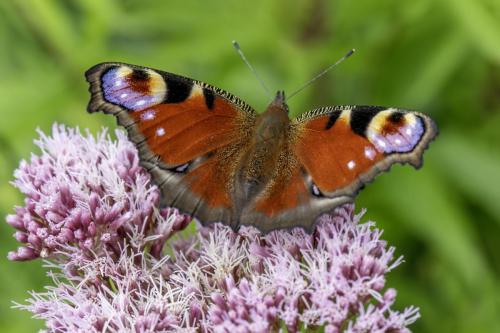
(186, 131)
(332, 153)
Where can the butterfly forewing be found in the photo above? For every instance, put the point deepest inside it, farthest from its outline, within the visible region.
(343, 148)
(186, 132)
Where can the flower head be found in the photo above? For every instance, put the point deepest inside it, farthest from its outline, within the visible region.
(84, 192)
(122, 264)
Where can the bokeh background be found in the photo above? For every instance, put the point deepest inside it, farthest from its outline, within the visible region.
(438, 56)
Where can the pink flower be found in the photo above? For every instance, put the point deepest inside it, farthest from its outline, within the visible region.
(122, 265)
(84, 192)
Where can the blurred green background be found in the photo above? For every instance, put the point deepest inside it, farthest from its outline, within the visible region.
(438, 56)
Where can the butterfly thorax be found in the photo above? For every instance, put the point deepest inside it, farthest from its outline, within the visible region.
(271, 133)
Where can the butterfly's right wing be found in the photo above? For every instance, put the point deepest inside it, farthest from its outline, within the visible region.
(189, 134)
(345, 147)
(332, 153)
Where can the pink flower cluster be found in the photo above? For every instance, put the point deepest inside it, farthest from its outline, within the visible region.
(84, 192)
(120, 264)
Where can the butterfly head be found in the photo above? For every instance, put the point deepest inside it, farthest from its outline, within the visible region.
(273, 123)
(279, 102)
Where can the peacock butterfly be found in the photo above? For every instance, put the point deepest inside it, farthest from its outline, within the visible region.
(214, 157)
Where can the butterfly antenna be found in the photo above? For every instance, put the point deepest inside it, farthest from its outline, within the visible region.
(326, 70)
(242, 55)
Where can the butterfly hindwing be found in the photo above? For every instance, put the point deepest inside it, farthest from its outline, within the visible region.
(185, 131)
(334, 152)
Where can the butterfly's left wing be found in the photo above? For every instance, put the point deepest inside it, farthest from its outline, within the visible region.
(189, 134)
(332, 153)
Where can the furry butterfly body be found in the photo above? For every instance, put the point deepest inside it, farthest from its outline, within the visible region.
(214, 157)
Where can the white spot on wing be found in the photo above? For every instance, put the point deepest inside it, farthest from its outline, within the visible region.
(351, 164)
(315, 190)
(118, 83)
(369, 153)
(148, 115)
(408, 131)
(160, 131)
(140, 102)
(397, 141)
(182, 168)
(123, 95)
